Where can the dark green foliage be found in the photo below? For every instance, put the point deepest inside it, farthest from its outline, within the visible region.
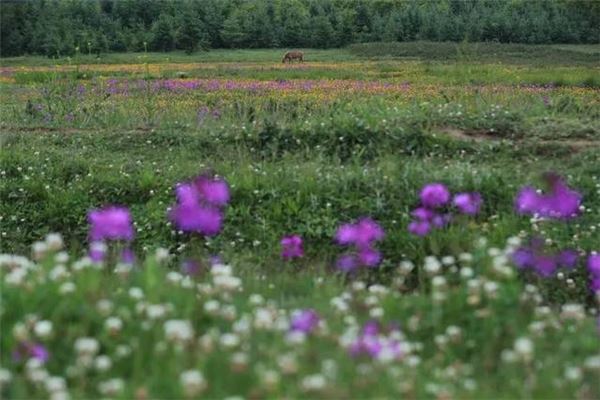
(56, 27)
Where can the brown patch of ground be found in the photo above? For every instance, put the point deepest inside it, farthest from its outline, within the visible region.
(481, 136)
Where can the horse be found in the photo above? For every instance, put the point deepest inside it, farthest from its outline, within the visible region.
(293, 55)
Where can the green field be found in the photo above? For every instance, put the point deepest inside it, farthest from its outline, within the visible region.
(304, 147)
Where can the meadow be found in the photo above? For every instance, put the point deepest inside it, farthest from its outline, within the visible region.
(368, 223)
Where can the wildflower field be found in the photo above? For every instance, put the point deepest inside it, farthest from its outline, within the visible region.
(365, 224)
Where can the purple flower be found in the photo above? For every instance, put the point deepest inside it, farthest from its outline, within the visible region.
(441, 220)
(567, 258)
(291, 247)
(523, 258)
(560, 202)
(593, 264)
(361, 234)
(190, 267)
(214, 191)
(31, 350)
(468, 203)
(127, 256)
(371, 343)
(195, 218)
(111, 223)
(434, 195)
(346, 234)
(347, 263)
(304, 321)
(544, 265)
(595, 284)
(198, 205)
(419, 228)
(423, 214)
(369, 257)
(368, 231)
(97, 251)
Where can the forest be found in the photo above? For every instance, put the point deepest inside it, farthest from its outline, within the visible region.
(64, 27)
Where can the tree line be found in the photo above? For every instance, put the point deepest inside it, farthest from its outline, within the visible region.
(62, 27)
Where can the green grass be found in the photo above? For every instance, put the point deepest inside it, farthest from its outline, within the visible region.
(303, 161)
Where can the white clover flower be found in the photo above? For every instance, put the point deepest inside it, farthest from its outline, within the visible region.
(378, 290)
(43, 329)
(62, 257)
(86, 346)
(39, 250)
(20, 332)
(192, 382)
(5, 377)
(448, 260)
(16, 277)
(256, 299)
(111, 387)
(466, 272)
(229, 340)
(60, 395)
(314, 382)
(156, 311)
(406, 267)
(212, 307)
(465, 257)
(223, 270)
(122, 351)
(123, 269)
(226, 282)
(55, 384)
(592, 363)
(58, 272)
(104, 307)
(376, 312)
(432, 265)
(82, 264)
(66, 288)
(573, 374)
(102, 363)
(174, 277)
(239, 361)
(270, 378)
(295, 337)
(37, 375)
(162, 255)
(358, 286)
(572, 311)
(113, 324)
(523, 347)
(136, 293)
(54, 241)
(178, 330)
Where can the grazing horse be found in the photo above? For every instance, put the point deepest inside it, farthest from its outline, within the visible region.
(293, 55)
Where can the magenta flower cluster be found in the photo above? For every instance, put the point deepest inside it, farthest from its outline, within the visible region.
(200, 205)
(560, 202)
(432, 210)
(361, 236)
(542, 261)
(593, 266)
(25, 350)
(304, 321)
(372, 343)
(291, 247)
(110, 224)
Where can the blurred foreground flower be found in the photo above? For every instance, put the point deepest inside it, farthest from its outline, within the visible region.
(361, 235)
(560, 202)
(291, 247)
